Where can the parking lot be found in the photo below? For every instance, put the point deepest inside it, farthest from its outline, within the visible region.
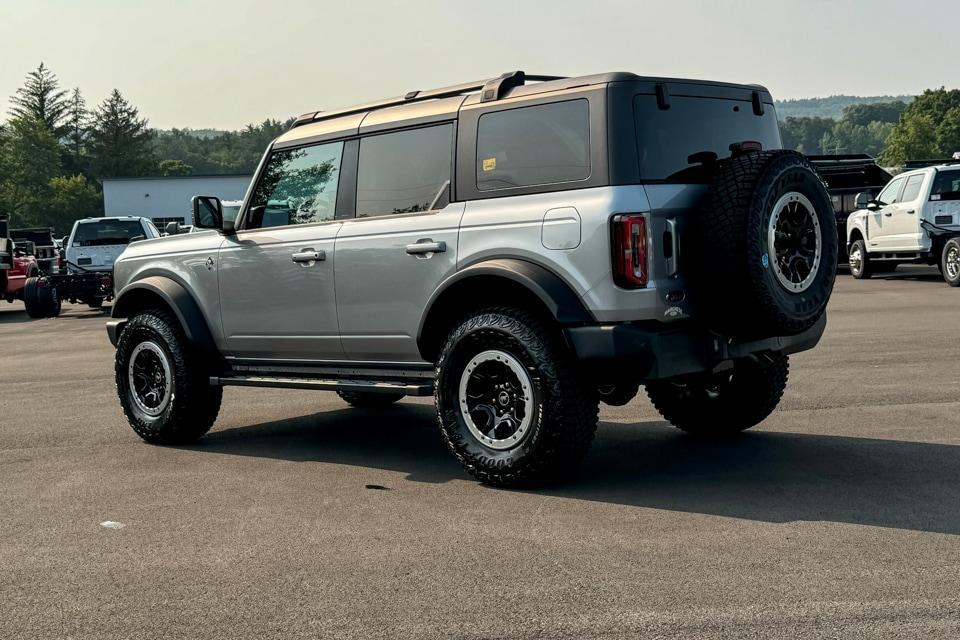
(299, 517)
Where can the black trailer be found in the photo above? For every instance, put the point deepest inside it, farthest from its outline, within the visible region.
(846, 176)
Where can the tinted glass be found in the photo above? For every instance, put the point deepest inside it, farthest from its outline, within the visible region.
(912, 190)
(91, 234)
(405, 172)
(667, 138)
(528, 146)
(889, 193)
(946, 185)
(298, 186)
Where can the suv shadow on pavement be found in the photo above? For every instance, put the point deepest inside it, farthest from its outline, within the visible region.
(764, 476)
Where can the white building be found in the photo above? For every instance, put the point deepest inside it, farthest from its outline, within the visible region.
(166, 199)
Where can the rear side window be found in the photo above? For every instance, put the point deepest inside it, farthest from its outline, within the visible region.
(92, 234)
(537, 145)
(405, 171)
(666, 138)
(946, 185)
(912, 190)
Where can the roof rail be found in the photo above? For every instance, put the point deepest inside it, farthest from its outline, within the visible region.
(491, 89)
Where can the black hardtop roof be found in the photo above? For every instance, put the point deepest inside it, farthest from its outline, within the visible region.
(514, 84)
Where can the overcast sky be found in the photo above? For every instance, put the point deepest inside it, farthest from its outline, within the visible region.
(224, 63)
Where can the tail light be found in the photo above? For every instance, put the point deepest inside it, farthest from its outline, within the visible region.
(630, 250)
(61, 263)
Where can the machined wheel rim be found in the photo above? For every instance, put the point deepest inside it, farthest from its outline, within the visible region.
(952, 263)
(496, 399)
(855, 260)
(150, 381)
(794, 242)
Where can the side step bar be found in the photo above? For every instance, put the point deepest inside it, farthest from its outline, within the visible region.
(419, 388)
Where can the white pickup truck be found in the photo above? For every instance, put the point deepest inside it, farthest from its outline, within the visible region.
(915, 219)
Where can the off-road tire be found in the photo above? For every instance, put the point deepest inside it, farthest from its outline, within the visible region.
(194, 403)
(363, 400)
(744, 397)
(866, 266)
(734, 272)
(564, 415)
(951, 245)
(617, 395)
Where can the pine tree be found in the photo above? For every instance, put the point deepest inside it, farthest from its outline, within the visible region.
(41, 98)
(120, 143)
(78, 125)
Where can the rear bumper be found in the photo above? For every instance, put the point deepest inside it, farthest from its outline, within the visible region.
(651, 352)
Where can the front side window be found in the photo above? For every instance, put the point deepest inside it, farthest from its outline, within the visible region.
(528, 146)
(912, 191)
(298, 186)
(890, 192)
(405, 171)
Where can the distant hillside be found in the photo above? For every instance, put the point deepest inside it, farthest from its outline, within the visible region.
(202, 134)
(830, 107)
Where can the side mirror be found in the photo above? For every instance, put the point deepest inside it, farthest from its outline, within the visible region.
(863, 199)
(172, 228)
(208, 214)
(873, 205)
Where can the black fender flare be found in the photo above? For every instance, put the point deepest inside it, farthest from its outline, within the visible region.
(175, 296)
(555, 294)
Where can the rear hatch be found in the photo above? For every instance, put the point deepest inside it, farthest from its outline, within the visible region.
(96, 245)
(680, 128)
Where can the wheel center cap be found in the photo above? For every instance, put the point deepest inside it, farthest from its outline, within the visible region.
(503, 398)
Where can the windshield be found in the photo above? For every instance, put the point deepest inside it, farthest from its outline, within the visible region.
(667, 138)
(103, 232)
(946, 185)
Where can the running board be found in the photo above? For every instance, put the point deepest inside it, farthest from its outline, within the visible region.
(318, 384)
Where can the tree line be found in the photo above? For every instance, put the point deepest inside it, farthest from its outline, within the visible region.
(54, 149)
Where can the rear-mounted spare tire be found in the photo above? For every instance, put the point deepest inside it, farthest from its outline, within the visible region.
(766, 246)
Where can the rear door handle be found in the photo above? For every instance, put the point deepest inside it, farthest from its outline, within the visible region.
(309, 255)
(888, 213)
(911, 210)
(427, 245)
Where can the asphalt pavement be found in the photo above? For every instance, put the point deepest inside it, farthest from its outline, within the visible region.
(299, 517)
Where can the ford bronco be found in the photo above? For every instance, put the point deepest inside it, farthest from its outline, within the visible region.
(520, 248)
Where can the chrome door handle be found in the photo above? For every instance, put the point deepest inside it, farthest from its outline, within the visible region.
(309, 255)
(426, 246)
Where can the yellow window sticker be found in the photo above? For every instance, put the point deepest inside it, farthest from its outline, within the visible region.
(489, 164)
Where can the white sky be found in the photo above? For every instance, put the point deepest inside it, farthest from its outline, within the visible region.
(224, 63)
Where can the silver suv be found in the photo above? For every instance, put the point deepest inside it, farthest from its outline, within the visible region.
(520, 248)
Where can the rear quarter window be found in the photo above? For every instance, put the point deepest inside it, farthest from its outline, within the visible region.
(537, 145)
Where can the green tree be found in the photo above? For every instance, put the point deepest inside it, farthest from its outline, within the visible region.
(29, 159)
(41, 98)
(928, 128)
(71, 198)
(120, 142)
(78, 130)
(175, 168)
(805, 134)
(863, 114)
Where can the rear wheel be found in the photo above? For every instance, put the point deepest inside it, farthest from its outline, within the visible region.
(363, 400)
(723, 403)
(512, 408)
(860, 266)
(163, 382)
(950, 262)
(40, 298)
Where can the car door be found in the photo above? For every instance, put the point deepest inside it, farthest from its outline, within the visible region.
(881, 228)
(401, 245)
(904, 225)
(277, 295)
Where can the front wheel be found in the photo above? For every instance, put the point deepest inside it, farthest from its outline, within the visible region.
(162, 382)
(512, 407)
(950, 262)
(723, 403)
(859, 261)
